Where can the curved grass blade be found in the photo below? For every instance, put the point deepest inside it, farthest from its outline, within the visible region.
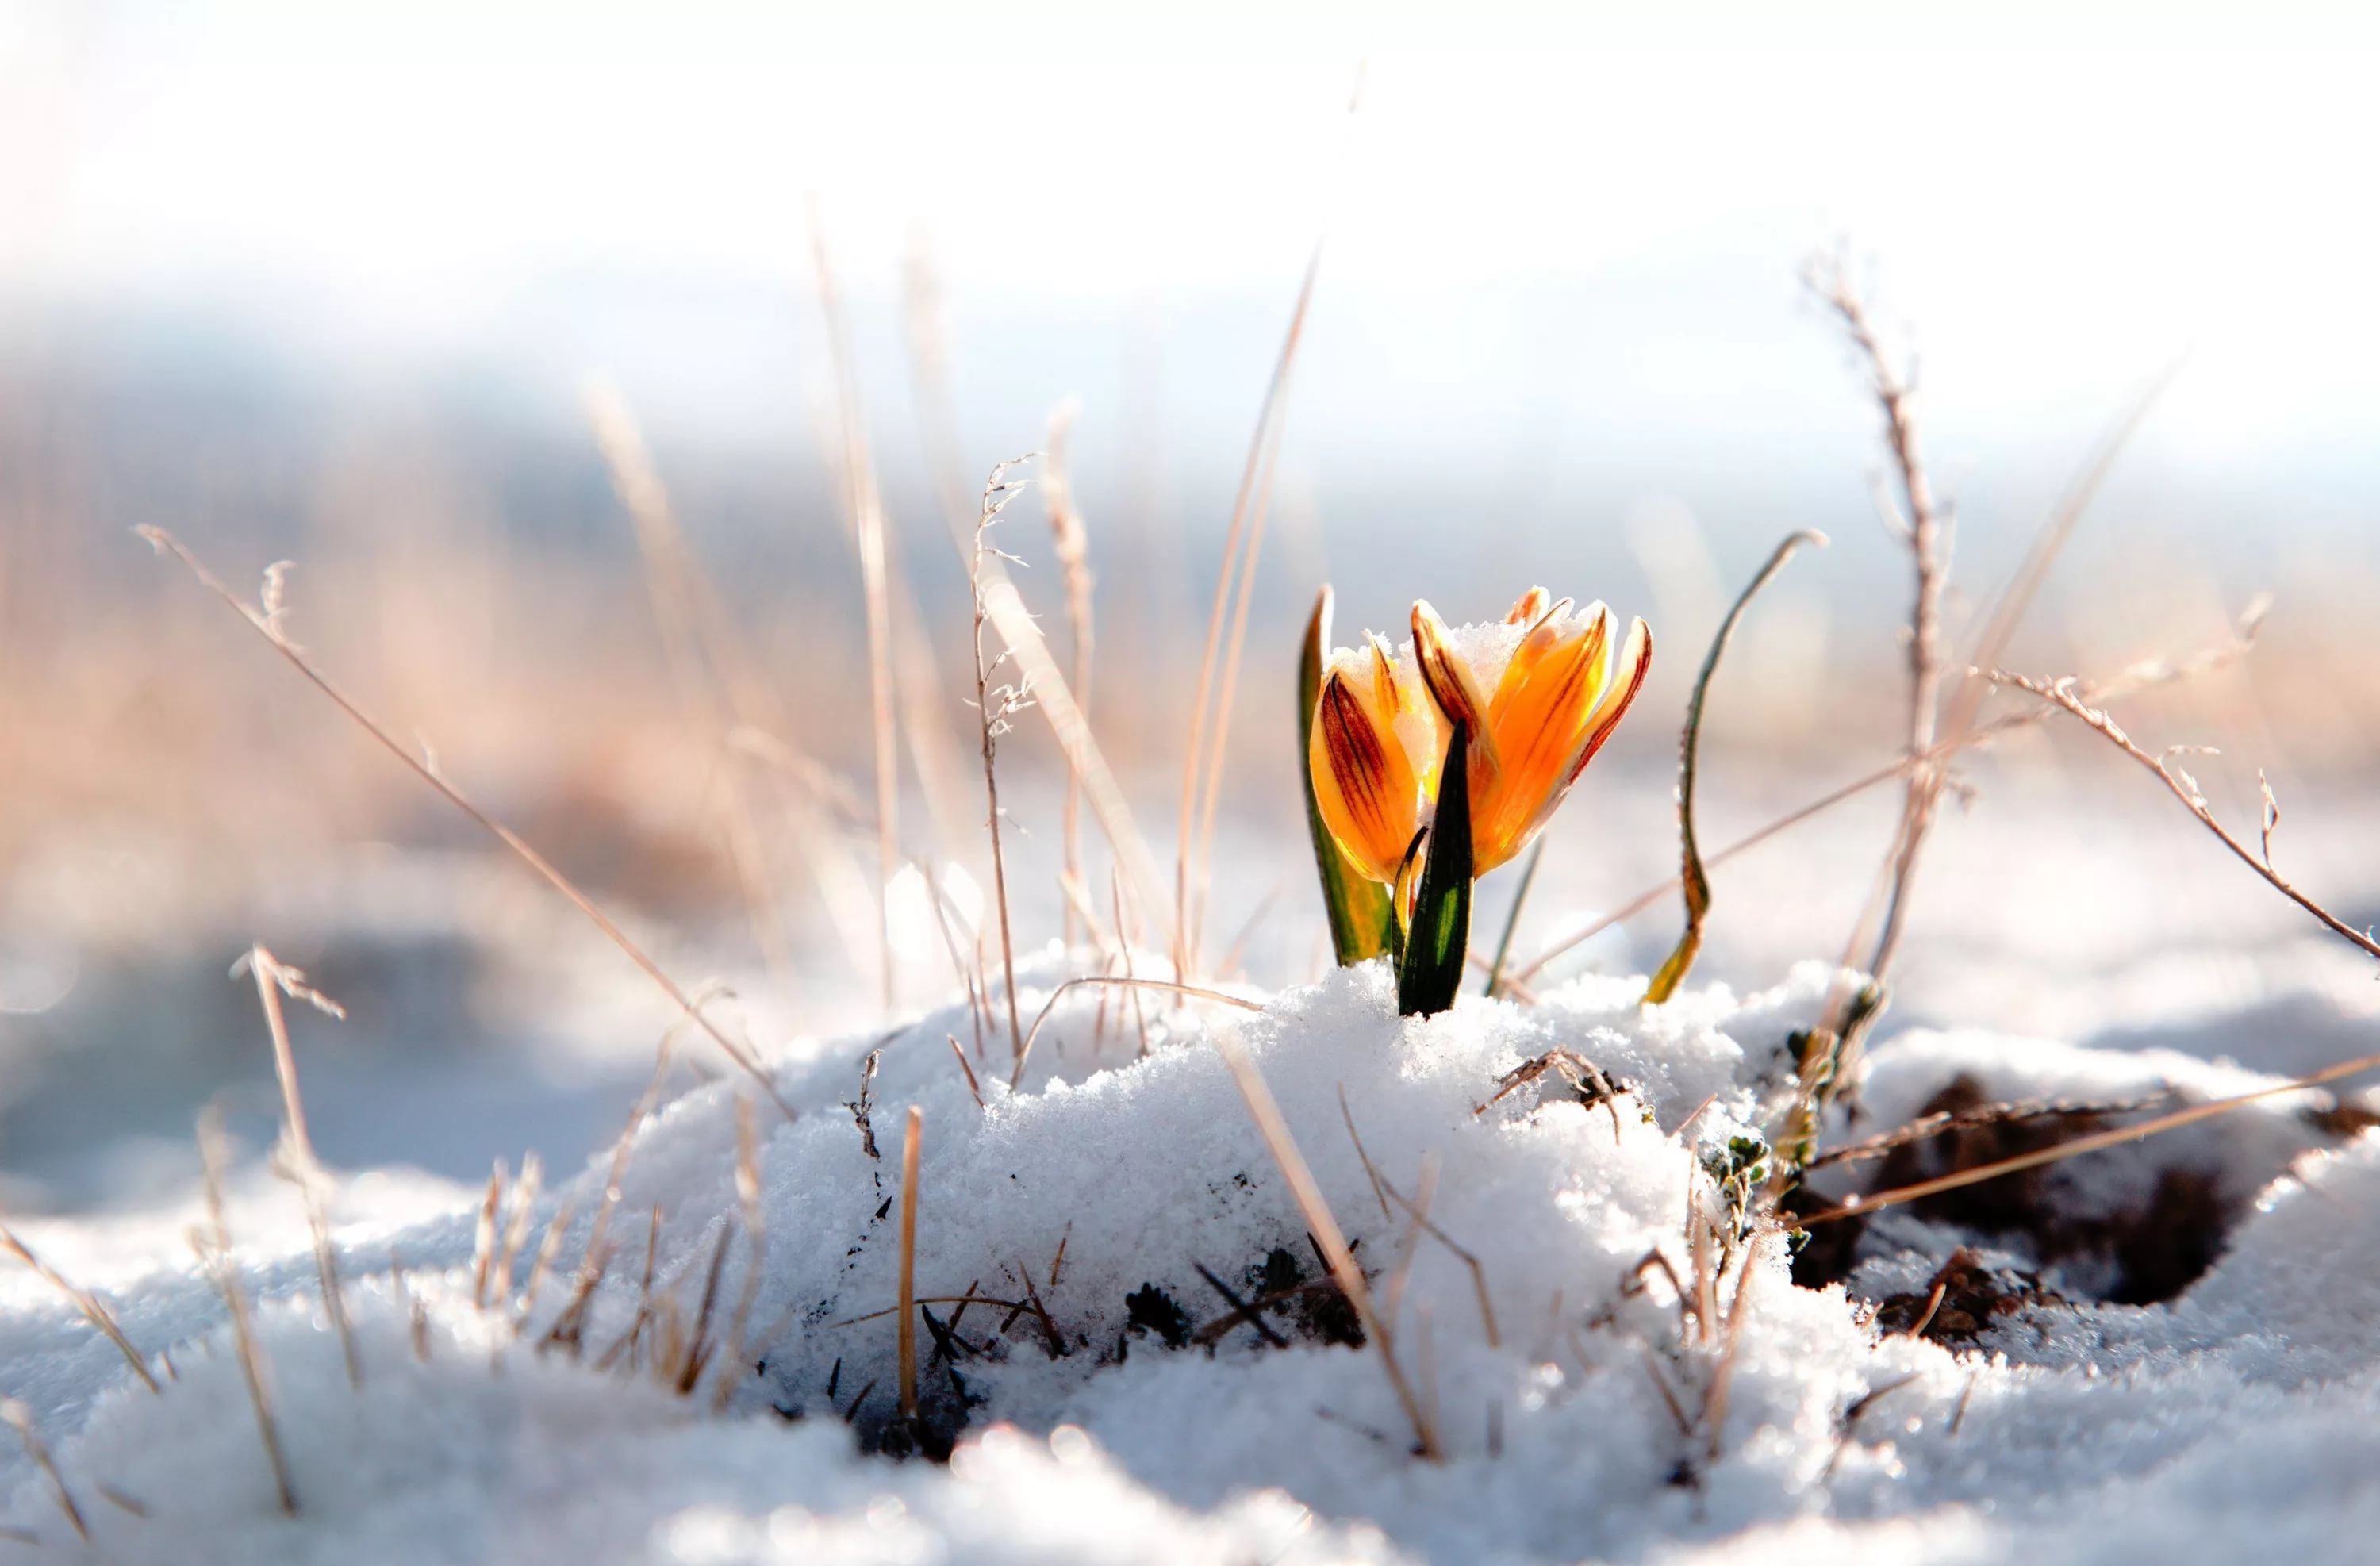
(1512, 918)
(1360, 923)
(1692, 880)
(1439, 935)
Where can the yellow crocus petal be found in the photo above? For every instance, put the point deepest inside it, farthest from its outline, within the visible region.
(1364, 786)
(1408, 882)
(1539, 716)
(1545, 634)
(1448, 677)
(1635, 660)
(1530, 609)
(1385, 693)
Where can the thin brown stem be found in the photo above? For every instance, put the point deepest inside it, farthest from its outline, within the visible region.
(910, 1145)
(1923, 529)
(266, 626)
(303, 1169)
(213, 1245)
(995, 706)
(1070, 541)
(868, 531)
(1047, 1006)
(1266, 1112)
(1255, 478)
(2062, 695)
(1853, 1207)
(101, 1319)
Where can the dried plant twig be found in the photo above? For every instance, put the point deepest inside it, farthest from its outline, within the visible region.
(275, 980)
(1242, 542)
(2064, 695)
(91, 1307)
(20, 1417)
(907, 1340)
(996, 707)
(265, 626)
(1266, 1112)
(868, 533)
(1035, 1031)
(1070, 541)
(1854, 1206)
(212, 1245)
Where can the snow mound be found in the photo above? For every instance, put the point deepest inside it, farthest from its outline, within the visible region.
(1152, 1364)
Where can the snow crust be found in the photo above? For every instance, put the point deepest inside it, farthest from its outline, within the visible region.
(1580, 1417)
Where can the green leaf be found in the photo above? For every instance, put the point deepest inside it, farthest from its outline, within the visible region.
(1439, 935)
(1361, 926)
(1691, 878)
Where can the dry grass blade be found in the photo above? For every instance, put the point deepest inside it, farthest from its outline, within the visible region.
(1853, 1003)
(2064, 695)
(912, 1140)
(1266, 1112)
(1723, 1376)
(1055, 700)
(756, 1248)
(1496, 980)
(516, 1229)
(996, 708)
(2009, 610)
(483, 1238)
(570, 1325)
(1882, 920)
(273, 979)
(1382, 1189)
(213, 1246)
(1043, 1016)
(1697, 886)
(1943, 1122)
(1245, 537)
(1070, 541)
(266, 627)
(542, 1265)
(698, 648)
(693, 1355)
(867, 507)
(37, 1451)
(101, 1319)
(1853, 1206)
(2147, 676)
(1125, 938)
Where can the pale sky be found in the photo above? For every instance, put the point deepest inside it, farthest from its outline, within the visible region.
(1603, 207)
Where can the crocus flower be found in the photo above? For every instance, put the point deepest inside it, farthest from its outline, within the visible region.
(1539, 695)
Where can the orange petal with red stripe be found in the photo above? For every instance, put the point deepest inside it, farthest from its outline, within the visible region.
(1364, 784)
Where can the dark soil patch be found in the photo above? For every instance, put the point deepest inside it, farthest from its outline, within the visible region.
(2152, 1250)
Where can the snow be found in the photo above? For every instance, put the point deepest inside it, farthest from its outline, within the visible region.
(2238, 1419)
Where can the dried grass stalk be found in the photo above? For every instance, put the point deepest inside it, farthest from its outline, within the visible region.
(996, 709)
(298, 1164)
(1070, 541)
(1853, 1207)
(911, 1142)
(265, 622)
(867, 507)
(37, 1451)
(1266, 1112)
(212, 1245)
(1234, 579)
(93, 1308)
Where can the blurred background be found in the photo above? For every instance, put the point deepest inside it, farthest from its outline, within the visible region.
(332, 285)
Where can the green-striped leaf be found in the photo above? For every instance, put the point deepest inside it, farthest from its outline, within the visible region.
(1439, 935)
(1361, 927)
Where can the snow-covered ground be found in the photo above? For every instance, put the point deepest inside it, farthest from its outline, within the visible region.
(1112, 1408)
